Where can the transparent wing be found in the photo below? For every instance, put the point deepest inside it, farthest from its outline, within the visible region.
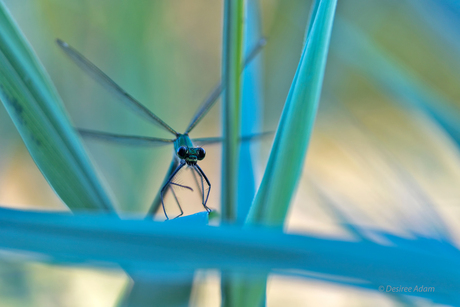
(256, 136)
(124, 139)
(206, 141)
(246, 138)
(108, 83)
(212, 98)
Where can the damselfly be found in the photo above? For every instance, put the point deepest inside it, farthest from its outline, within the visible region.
(185, 151)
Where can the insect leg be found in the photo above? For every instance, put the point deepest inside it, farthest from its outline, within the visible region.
(182, 186)
(163, 189)
(177, 201)
(198, 184)
(209, 185)
(157, 201)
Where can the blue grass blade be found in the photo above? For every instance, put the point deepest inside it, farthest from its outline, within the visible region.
(231, 104)
(36, 110)
(146, 246)
(289, 149)
(250, 113)
(200, 218)
(291, 140)
(311, 20)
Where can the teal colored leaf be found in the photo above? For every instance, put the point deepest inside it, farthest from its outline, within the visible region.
(36, 109)
(145, 246)
(251, 112)
(286, 159)
(290, 145)
(291, 140)
(200, 218)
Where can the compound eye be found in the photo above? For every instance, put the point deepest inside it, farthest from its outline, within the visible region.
(200, 153)
(182, 152)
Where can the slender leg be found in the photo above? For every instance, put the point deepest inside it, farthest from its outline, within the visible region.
(177, 201)
(209, 185)
(202, 184)
(182, 186)
(202, 189)
(157, 201)
(198, 184)
(163, 189)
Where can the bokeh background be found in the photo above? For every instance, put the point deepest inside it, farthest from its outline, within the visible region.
(384, 152)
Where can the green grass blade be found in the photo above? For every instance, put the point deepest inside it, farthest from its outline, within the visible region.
(231, 102)
(171, 288)
(290, 145)
(231, 108)
(233, 289)
(36, 109)
(168, 289)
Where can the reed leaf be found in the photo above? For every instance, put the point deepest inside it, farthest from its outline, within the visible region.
(251, 112)
(36, 109)
(231, 102)
(291, 141)
(147, 246)
(286, 161)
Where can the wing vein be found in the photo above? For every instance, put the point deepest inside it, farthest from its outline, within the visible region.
(108, 83)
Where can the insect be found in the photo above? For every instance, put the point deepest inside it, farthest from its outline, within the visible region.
(185, 151)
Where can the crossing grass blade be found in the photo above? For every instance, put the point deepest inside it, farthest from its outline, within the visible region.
(36, 110)
(145, 246)
(288, 152)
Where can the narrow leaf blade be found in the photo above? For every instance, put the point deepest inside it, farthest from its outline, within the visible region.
(231, 81)
(291, 140)
(36, 109)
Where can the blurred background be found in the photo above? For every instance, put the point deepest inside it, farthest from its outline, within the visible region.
(384, 154)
